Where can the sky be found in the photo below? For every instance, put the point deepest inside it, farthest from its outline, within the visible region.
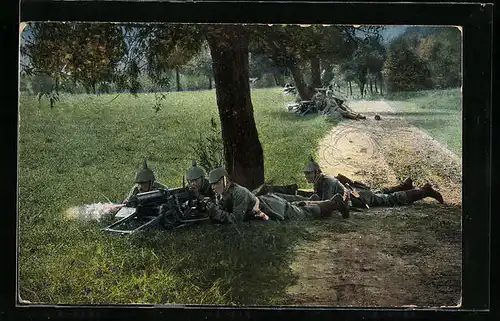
(390, 32)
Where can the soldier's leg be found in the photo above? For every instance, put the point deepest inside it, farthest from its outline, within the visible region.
(374, 199)
(423, 192)
(405, 185)
(291, 198)
(326, 208)
(406, 197)
(393, 199)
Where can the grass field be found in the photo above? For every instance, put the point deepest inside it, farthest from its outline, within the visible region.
(438, 112)
(89, 147)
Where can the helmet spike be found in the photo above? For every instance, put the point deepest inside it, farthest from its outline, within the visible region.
(145, 164)
(193, 163)
(312, 158)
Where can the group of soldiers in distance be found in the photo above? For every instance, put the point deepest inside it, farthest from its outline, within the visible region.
(232, 203)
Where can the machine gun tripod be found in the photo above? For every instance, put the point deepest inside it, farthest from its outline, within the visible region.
(163, 208)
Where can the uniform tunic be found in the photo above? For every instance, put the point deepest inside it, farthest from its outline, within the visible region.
(206, 189)
(325, 187)
(237, 205)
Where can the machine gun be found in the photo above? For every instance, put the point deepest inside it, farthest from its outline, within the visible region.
(167, 208)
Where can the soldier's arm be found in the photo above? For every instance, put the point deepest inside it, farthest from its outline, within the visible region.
(342, 190)
(334, 187)
(241, 204)
(328, 191)
(132, 192)
(244, 201)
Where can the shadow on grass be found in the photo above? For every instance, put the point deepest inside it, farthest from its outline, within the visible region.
(249, 263)
(250, 266)
(289, 116)
(423, 113)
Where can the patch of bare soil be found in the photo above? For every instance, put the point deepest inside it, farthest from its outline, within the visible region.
(400, 256)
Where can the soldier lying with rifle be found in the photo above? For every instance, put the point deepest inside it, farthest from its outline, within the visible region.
(235, 203)
(359, 195)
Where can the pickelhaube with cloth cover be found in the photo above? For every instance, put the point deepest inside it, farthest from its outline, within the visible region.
(312, 166)
(216, 174)
(145, 174)
(195, 172)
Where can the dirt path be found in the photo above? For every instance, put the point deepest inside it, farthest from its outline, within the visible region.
(399, 256)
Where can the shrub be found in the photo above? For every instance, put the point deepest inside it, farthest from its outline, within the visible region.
(209, 150)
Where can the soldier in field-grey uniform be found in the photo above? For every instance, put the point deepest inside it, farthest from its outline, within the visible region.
(145, 181)
(235, 203)
(198, 183)
(356, 193)
(325, 187)
(403, 194)
(361, 196)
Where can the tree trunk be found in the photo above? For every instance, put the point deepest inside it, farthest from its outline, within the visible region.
(350, 88)
(371, 86)
(276, 80)
(56, 88)
(362, 88)
(299, 82)
(375, 83)
(178, 81)
(315, 72)
(381, 78)
(242, 148)
(209, 82)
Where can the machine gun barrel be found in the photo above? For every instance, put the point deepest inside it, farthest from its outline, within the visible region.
(150, 198)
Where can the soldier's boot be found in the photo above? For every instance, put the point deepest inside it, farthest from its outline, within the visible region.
(335, 203)
(405, 185)
(423, 192)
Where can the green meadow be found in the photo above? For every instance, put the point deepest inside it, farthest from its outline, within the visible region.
(438, 112)
(88, 148)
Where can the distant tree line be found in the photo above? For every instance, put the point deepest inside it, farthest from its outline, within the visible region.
(424, 58)
(99, 58)
(419, 58)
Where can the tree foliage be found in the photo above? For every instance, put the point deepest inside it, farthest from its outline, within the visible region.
(435, 54)
(366, 63)
(167, 47)
(201, 64)
(87, 53)
(442, 54)
(405, 69)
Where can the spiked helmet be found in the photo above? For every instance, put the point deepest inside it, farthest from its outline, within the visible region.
(216, 174)
(195, 172)
(145, 174)
(312, 166)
